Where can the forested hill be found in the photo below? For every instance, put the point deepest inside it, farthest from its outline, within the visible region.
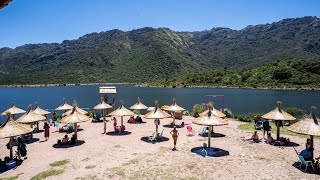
(148, 54)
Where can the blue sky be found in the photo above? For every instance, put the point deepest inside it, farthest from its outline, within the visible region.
(45, 21)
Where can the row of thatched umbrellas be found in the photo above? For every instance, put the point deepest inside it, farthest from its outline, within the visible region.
(211, 117)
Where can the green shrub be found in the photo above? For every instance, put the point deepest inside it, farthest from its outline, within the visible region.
(47, 173)
(197, 109)
(296, 112)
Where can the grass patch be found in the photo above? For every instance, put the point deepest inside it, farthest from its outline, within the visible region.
(248, 127)
(11, 177)
(163, 149)
(86, 159)
(88, 177)
(60, 163)
(90, 167)
(132, 161)
(45, 174)
(203, 139)
(117, 146)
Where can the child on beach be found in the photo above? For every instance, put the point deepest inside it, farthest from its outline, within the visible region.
(175, 135)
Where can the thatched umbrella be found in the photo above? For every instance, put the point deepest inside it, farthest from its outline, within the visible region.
(308, 126)
(64, 107)
(138, 106)
(175, 108)
(77, 108)
(40, 111)
(74, 118)
(13, 110)
(278, 115)
(121, 111)
(102, 106)
(30, 117)
(157, 113)
(210, 120)
(11, 128)
(214, 111)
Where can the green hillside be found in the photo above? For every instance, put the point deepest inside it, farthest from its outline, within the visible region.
(148, 54)
(282, 74)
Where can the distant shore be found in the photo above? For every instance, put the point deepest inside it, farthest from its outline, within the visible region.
(235, 87)
(162, 86)
(49, 85)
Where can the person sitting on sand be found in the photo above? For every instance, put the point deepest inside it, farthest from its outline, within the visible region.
(73, 139)
(65, 139)
(255, 137)
(270, 139)
(175, 135)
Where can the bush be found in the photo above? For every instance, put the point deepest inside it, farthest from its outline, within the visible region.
(197, 109)
(296, 112)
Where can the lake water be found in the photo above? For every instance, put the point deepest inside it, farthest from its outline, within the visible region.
(237, 100)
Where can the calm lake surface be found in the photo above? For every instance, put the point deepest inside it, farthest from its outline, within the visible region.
(237, 100)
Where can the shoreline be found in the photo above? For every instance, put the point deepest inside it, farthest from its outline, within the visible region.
(234, 87)
(51, 85)
(161, 86)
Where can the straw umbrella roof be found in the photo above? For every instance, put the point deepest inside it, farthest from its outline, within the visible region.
(210, 119)
(308, 125)
(122, 111)
(138, 105)
(30, 117)
(74, 117)
(11, 128)
(102, 105)
(157, 113)
(164, 107)
(214, 111)
(278, 114)
(40, 111)
(64, 106)
(77, 108)
(13, 110)
(175, 106)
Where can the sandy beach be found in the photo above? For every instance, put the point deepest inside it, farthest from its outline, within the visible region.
(110, 156)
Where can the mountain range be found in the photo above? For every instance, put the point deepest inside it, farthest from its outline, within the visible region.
(149, 54)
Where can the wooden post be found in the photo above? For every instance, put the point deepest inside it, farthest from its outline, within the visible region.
(209, 136)
(10, 145)
(174, 117)
(105, 123)
(311, 141)
(75, 130)
(278, 130)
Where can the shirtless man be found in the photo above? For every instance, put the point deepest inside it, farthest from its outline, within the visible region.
(175, 135)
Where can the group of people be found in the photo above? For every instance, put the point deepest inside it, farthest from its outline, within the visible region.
(65, 140)
(138, 119)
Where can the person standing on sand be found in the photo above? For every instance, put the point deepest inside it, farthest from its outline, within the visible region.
(175, 135)
(46, 128)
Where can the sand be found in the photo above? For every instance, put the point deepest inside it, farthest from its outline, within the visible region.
(128, 157)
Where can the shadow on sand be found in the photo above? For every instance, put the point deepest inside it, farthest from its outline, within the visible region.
(211, 152)
(79, 142)
(214, 135)
(39, 131)
(309, 169)
(146, 138)
(32, 140)
(123, 133)
(3, 166)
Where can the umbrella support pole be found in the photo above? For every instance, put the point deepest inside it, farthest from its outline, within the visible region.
(104, 123)
(38, 125)
(11, 150)
(311, 140)
(75, 130)
(209, 136)
(121, 123)
(278, 130)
